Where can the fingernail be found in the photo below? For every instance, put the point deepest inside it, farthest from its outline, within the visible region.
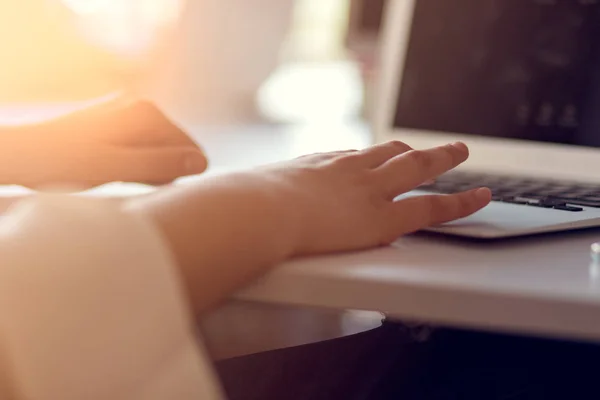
(195, 163)
(460, 146)
(483, 194)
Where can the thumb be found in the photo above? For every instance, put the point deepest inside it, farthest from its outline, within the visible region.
(159, 165)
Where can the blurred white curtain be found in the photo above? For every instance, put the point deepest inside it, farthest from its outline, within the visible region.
(128, 27)
(223, 52)
(204, 60)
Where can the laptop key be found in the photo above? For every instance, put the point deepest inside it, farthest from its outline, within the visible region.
(523, 191)
(515, 201)
(584, 203)
(540, 205)
(568, 208)
(553, 201)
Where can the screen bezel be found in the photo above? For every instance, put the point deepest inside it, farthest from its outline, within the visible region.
(488, 154)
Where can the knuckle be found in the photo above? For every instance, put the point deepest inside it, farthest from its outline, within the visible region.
(450, 207)
(421, 158)
(365, 181)
(454, 155)
(310, 171)
(346, 159)
(435, 208)
(400, 146)
(377, 202)
(316, 158)
(396, 143)
(352, 151)
(448, 151)
(323, 157)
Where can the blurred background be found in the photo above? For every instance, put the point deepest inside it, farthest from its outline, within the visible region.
(209, 62)
(217, 67)
(212, 65)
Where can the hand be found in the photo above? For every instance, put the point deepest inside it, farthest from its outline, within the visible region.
(317, 204)
(346, 200)
(132, 142)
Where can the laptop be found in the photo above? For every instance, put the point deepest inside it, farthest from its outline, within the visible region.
(519, 82)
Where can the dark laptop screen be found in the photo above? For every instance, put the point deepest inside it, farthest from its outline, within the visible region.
(370, 15)
(526, 69)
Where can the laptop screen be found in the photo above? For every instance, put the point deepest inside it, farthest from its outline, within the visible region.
(521, 69)
(370, 15)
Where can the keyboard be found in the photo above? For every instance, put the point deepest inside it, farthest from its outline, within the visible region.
(562, 196)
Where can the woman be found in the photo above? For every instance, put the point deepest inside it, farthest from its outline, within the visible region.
(97, 298)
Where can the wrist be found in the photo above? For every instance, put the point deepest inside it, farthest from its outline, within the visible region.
(248, 212)
(223, 232)
(279, 198)
(258, 209)
(296, 208)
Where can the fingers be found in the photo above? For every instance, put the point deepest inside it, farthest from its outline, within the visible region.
(124, 123)
(411, 169)
(143, 124)
(416, 213)
(154, 166)
(375, 156)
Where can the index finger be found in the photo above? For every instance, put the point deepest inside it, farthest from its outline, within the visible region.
(409, 170)
(416, 213)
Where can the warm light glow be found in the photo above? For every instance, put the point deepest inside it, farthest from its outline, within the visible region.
(124, 26)
(71, 50)
(88, 7)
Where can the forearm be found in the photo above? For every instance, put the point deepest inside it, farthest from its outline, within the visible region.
(223, 233)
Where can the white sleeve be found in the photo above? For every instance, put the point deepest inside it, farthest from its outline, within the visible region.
(91, 308)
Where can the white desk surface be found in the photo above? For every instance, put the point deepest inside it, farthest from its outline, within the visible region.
(540, 285)
(544, 285)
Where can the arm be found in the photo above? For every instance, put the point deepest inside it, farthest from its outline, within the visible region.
(226, 231)
(83, 316)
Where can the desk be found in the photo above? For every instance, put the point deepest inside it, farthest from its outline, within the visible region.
(543, 285)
